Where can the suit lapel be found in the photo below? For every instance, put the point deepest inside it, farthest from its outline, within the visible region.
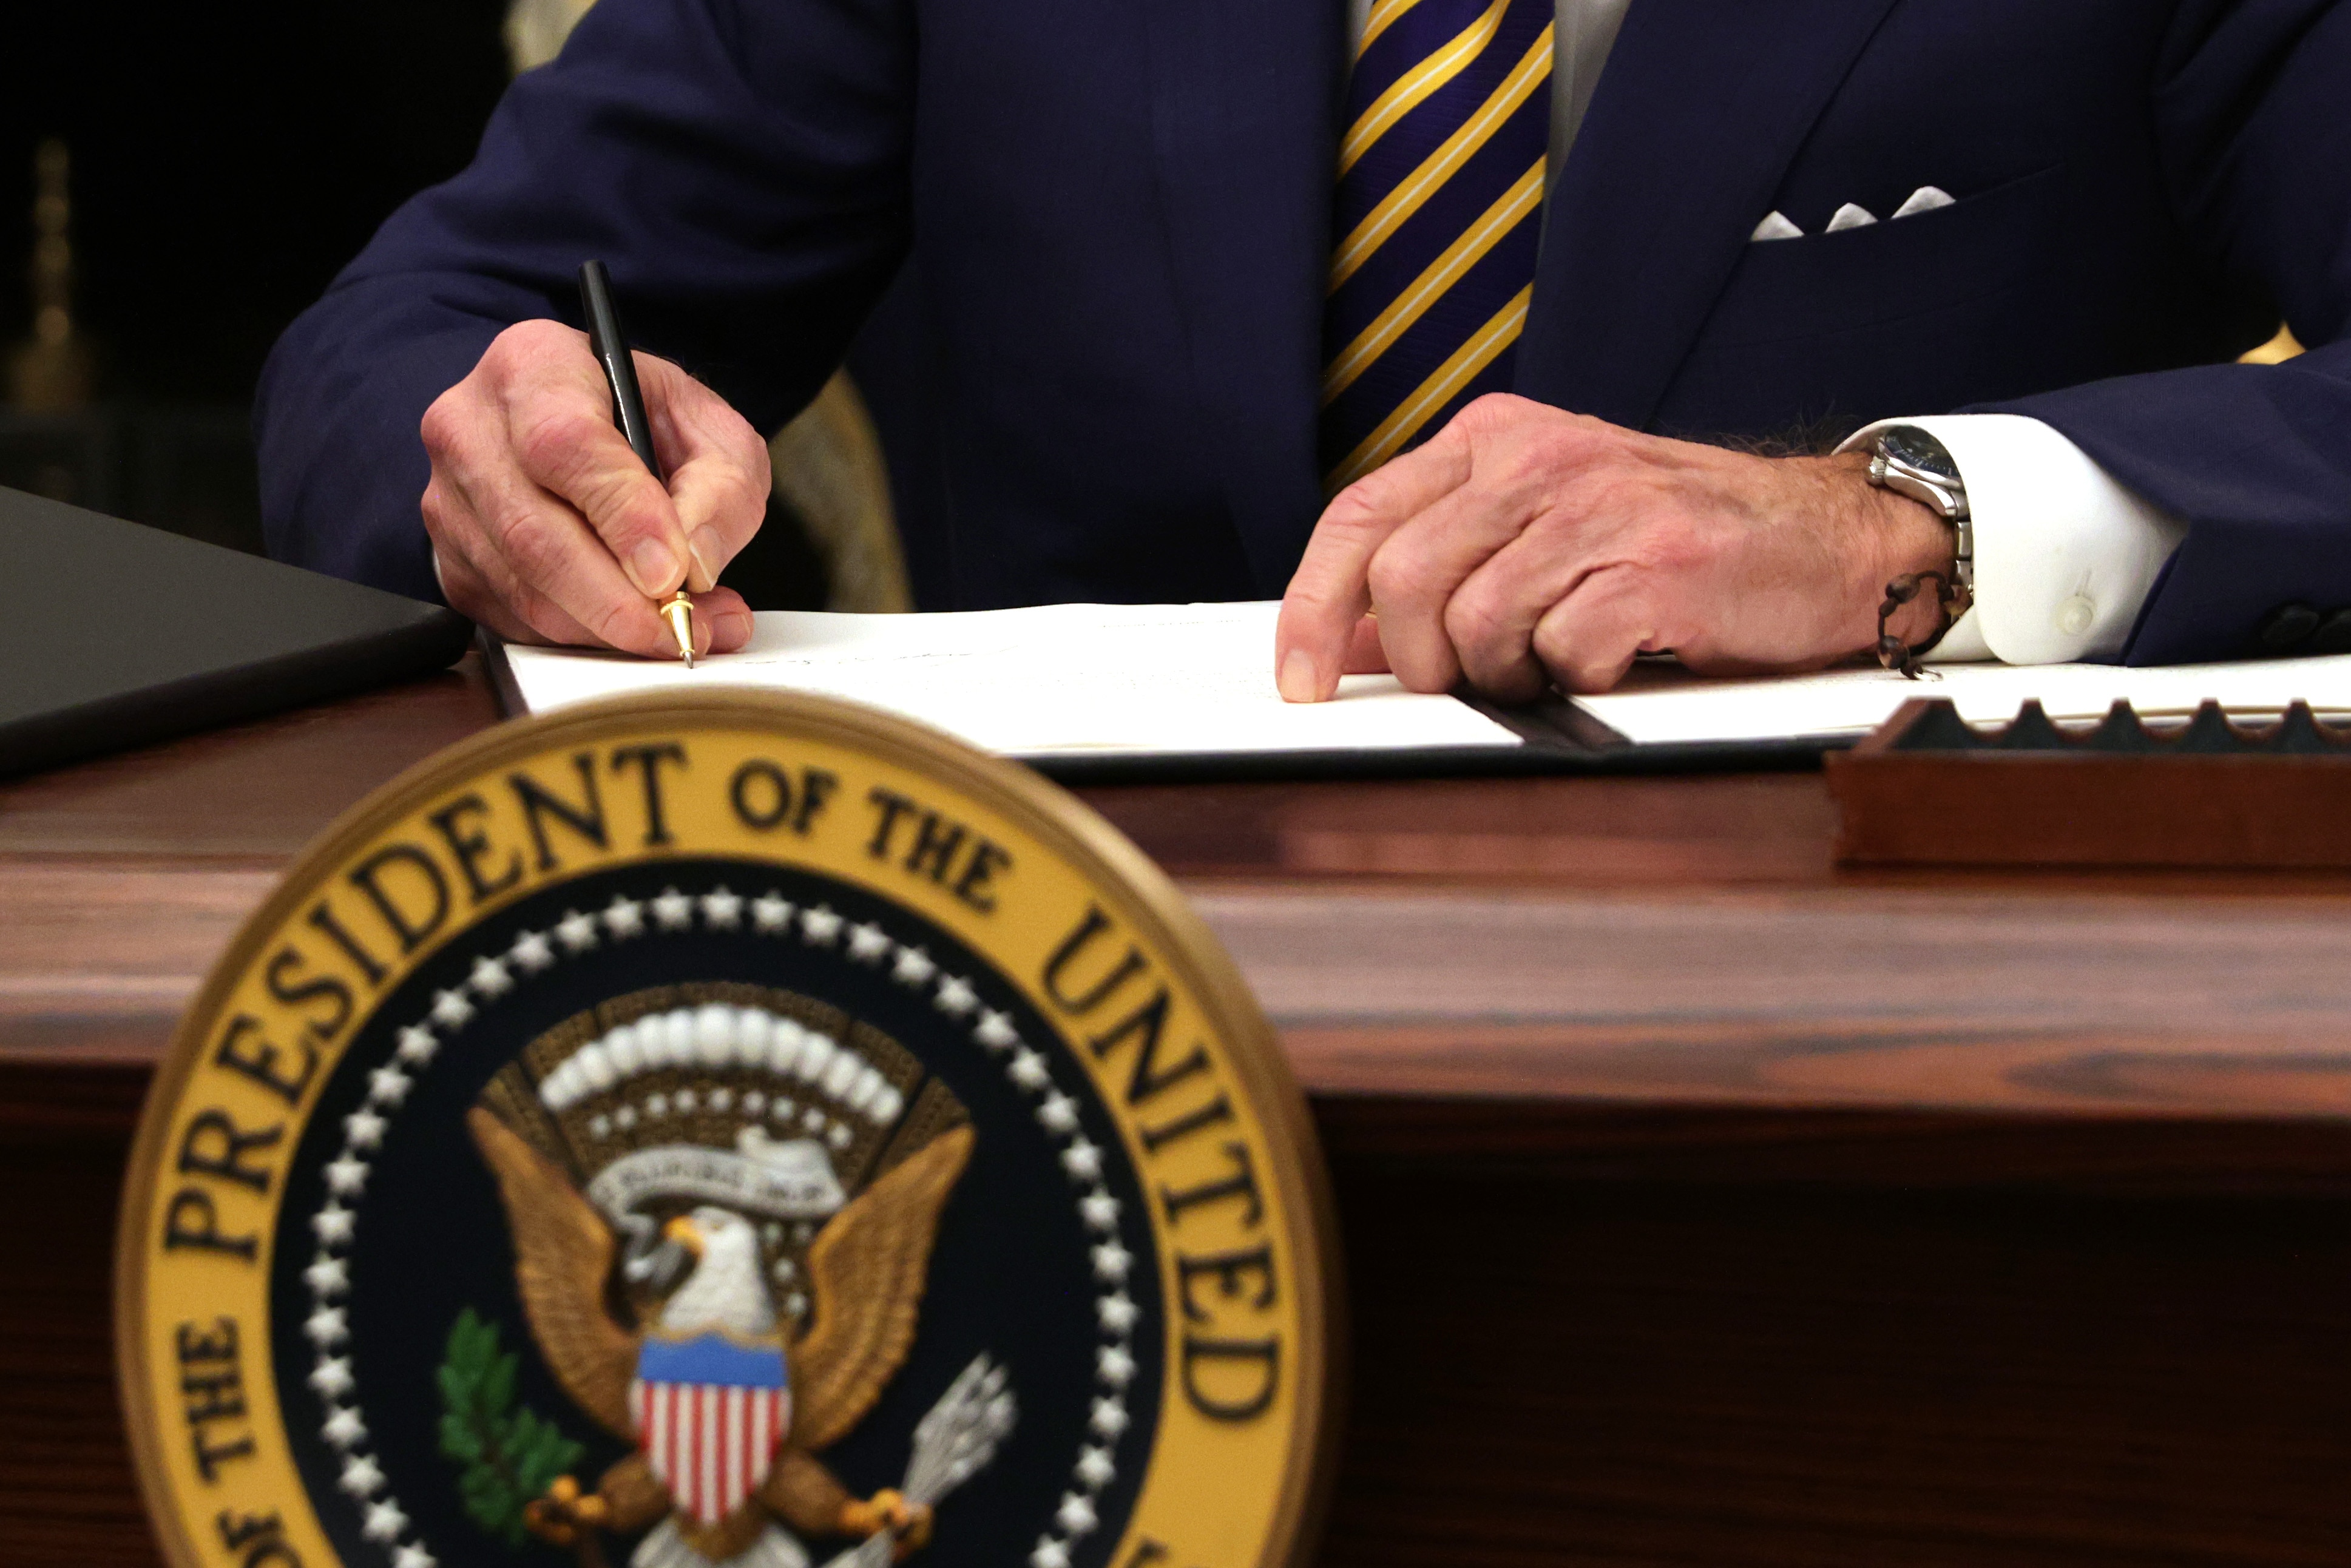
(1703, 105)
(1244, 103)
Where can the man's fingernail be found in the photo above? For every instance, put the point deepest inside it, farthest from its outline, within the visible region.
(651, 567)
(705, 546)
(1298, 681)
(733, 628)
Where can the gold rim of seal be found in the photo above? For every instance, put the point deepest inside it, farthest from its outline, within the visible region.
(1058, 818)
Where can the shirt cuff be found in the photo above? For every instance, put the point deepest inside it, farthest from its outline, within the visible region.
(2065, 556)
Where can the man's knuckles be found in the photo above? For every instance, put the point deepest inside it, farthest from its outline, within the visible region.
(728, 494)
(1371, 505)
(1504, 422)
(1522, 680)
(540, 615)
(440, 517)
(492, 597)
(574, 455)
(626, 623)
(565, 443)
(1402, 577)
(537, 550)
(460, 423)
(469, 594)
(438, 427)
(529, 351)
(626, 508)
(757, 460)
(1487, 630)
(1666, 541)
(1578, 660)
(696, 419)
(1424, 666)
(1496, 413)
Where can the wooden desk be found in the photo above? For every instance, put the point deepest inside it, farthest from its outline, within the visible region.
(1703, 1205)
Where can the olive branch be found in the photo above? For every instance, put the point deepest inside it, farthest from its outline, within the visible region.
(510, 1456)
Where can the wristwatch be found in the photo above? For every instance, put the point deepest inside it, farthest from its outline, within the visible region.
(1909, 462)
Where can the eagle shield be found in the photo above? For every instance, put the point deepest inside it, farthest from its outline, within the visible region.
(710, 1414)
(722, 1220)
(734, 1137)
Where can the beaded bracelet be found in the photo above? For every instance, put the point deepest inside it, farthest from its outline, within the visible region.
(1951, 602)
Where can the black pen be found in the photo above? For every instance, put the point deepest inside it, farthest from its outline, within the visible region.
(611, 346)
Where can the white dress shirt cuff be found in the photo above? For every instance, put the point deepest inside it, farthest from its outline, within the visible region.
(2065, 556)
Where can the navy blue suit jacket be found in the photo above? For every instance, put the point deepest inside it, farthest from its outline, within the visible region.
(1119, 212)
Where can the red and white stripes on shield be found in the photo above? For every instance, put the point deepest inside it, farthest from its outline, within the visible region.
(711, 1443)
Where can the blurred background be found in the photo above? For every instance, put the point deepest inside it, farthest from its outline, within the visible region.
(178, 182)
(203, 170)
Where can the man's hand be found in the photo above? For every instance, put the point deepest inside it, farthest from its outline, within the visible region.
(1524, 546)
(546, 529)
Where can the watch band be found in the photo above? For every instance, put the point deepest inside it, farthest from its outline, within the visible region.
(1909, 462)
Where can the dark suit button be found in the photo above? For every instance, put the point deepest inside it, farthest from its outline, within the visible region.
(2333, 634)
(2283, 628)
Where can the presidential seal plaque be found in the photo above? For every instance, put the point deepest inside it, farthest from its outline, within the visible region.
(738, 1130)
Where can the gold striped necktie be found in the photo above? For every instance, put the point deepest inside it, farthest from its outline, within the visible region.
(1439, 204)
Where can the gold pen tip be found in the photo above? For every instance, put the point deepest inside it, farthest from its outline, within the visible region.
(678, 610)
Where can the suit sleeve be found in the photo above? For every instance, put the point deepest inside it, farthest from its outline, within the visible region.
(739, 164)
(2255, 460)
(2064, 556)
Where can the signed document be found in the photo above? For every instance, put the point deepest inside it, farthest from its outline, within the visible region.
(1092, 680)
(1056, 681)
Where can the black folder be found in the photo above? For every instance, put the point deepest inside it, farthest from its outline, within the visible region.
(113, 634)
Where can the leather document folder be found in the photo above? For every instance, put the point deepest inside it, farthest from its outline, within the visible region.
(1099, 694)
(1105, 694)
(115, 634)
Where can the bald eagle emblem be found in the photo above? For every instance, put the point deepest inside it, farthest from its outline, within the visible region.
(710, 1402)
(726, 1306)
(726, 1129)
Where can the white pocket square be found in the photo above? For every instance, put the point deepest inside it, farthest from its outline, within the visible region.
(1925, 199)
(1852, 215)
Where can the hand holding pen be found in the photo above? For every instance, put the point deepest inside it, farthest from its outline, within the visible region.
(548, 526)
(610, 344)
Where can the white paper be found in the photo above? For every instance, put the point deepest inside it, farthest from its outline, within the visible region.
(1161, 679)
(1660, 702)
(1055, 681)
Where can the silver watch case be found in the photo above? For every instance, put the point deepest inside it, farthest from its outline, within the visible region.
(1909, 462)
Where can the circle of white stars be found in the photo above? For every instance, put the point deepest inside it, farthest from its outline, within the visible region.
(576, 935)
